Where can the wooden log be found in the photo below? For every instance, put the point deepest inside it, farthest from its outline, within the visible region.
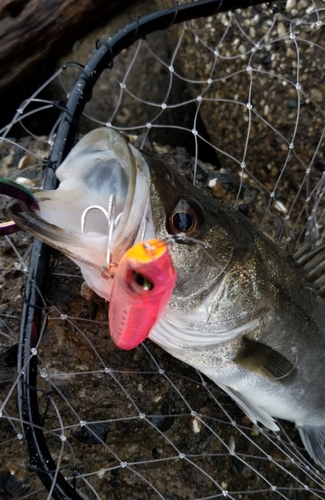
(33, 30)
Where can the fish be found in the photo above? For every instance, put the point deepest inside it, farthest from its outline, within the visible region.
(142, 287)
(242, 311)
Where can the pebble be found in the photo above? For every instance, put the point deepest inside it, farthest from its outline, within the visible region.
(87, 292)
(24, 181)
(25, 161)
(281, 29)
(279, 206)
(316, 95)
(196, 425)
(290, 5)
(255, 430)
(217, 188)
(7, 161)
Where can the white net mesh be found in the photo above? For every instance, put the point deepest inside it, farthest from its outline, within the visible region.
(236, 101)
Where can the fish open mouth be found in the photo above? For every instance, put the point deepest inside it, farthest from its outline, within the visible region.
(103, 171)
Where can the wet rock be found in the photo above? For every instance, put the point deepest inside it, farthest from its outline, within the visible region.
(92, 434)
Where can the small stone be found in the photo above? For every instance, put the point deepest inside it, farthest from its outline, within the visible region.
(217, 188)
(255, 430)
(25, 161)
(196, 425)
(24, 181)
(86, 292)
(274, 171)
(279, 206)
(317, 95)
(7, 161)
(302, 5)
(290, 5)
(281, 29)
(292, 54)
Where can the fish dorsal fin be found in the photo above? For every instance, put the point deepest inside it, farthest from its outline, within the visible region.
(311, 260)
(263, 360)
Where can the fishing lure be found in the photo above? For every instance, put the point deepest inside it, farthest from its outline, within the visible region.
(19, 192)
(141, 290)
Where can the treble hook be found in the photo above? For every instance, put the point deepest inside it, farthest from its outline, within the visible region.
(111, 225)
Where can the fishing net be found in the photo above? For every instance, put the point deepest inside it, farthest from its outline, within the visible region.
(235, 101)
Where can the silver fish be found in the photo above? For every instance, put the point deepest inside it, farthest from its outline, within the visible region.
(241, 312)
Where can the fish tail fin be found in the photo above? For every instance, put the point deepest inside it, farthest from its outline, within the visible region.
(313, 439)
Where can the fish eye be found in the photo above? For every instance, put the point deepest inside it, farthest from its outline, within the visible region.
(186, 218)
(182, 222)
(142, 281)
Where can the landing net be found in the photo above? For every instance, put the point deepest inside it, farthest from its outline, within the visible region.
(235, 101)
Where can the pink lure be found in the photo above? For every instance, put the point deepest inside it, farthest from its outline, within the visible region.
(141, 290)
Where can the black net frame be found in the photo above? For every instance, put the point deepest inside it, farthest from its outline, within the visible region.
(34, 309)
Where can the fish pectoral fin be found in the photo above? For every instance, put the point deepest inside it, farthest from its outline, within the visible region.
(253, 413)
(263, 360)
(313, 439)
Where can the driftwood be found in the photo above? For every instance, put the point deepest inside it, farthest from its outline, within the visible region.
(34, 33)
(33, 30)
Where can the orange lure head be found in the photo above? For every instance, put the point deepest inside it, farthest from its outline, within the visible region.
(141, 290)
